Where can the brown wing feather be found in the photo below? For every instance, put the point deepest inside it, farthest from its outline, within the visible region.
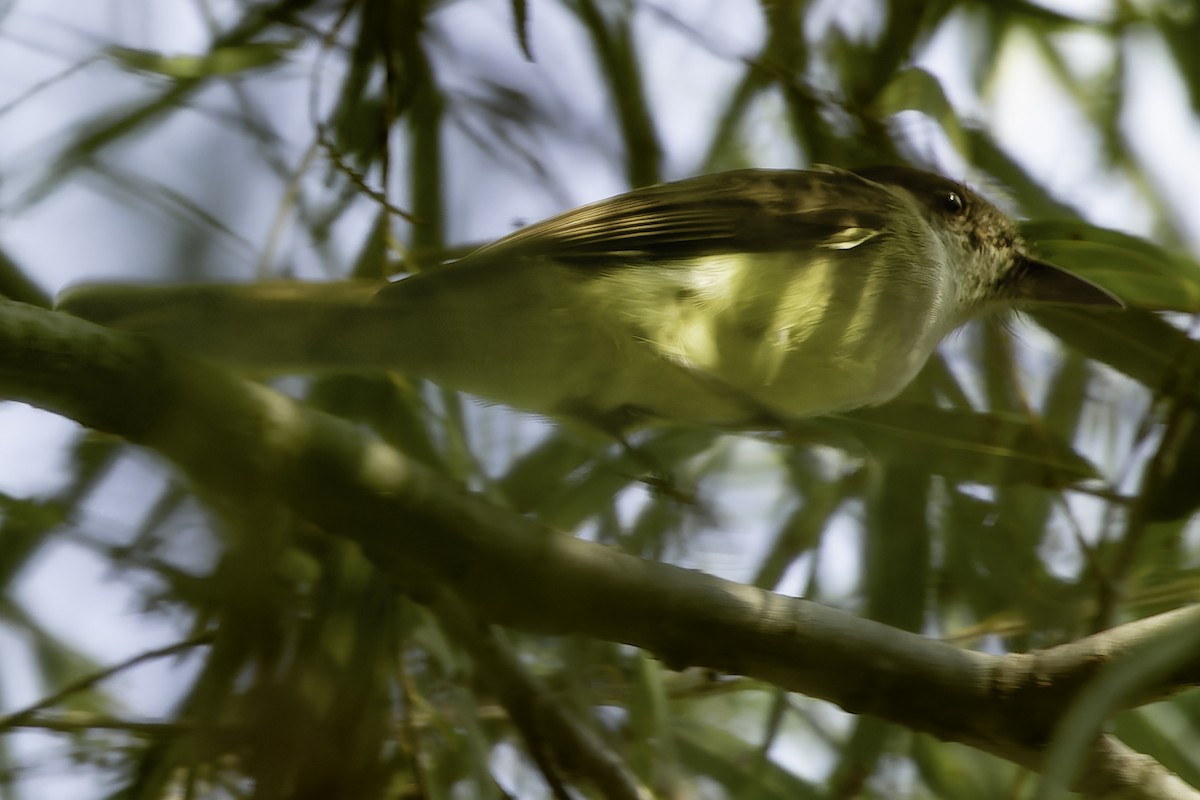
(741, 211)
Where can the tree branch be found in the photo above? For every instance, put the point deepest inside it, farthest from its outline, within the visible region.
(241, 440)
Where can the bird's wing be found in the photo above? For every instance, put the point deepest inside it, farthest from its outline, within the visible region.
(746, 211)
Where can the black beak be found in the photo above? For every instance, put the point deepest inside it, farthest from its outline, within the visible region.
(1042, 282)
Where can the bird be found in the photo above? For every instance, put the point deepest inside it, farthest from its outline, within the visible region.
(739, 300)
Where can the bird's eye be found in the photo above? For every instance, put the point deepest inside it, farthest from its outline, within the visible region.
(952, 203)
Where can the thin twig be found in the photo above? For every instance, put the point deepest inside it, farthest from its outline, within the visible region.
(88, 681)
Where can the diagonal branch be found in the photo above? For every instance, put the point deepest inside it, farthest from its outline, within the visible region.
(236, 439)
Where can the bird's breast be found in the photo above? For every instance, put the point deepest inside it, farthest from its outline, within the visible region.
(791, 335)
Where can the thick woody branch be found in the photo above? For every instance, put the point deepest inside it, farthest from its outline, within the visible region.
(241, 440)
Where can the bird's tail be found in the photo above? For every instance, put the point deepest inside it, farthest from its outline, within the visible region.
(267, 328)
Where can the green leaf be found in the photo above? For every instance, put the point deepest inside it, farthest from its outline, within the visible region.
(1138, 343)
(1140, 272)
(1181, 30)
(613, 40)
(16, 283)
(803, 529)
(220, 61)
(1045, 18)
(992, 564)
(547, 466)
(1033, 198)
(735, 764)
(861, 755)
(520, 11)
(1167, 732)
(962, 445)
(1143, 664)
(914, 89)
(951, 770)
(651, 750)
(897, 549)
(1170, 494)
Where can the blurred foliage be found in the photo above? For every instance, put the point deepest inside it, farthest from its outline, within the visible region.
(1020, 494)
